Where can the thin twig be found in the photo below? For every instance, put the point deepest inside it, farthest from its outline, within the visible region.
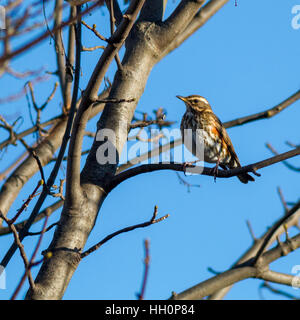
(251, 231)
(11, 55)
(92, 48)
(285, 206)
(25, 204)
(265, 114)
(288, 165)
(273, 230)
(142, 124)
(110, 5)
(43, 231)
(114, 100)
(282, 293)
(186, 183)
(21, 249)
(93, 29)
(153, 220)
(47, 211)
(31, 262)
(146, 271)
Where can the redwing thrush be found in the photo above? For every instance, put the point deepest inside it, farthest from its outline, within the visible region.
(212, 135)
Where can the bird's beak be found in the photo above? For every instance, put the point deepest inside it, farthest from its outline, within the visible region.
(181, 98)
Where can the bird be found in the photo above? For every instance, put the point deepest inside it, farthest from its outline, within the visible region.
(211, 135)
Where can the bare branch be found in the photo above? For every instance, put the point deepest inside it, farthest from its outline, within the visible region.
(142, 124)
(273, 231)
(285, 206)
(43, 36)
(241, 272)
(25, 204)
(153, 220)
(277, 291)
(93, 29)
(54, 172)
(31, 263)
(110, 6)
(265, 114)
(59, 47)
(90, 96)
(46, 212)
(251, 231)
(119, 178)
(146, 272)
(153, 10)
(228, 124)
(21, 249)
(288, 165)
(92, 48)
(203, 15)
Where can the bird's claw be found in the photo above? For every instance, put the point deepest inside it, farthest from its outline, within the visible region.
(189, 164)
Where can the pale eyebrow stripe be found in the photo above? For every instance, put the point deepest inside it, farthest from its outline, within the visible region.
(203, 100)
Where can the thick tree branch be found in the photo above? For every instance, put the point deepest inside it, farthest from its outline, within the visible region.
(205, 13)
(78, 216)
(253, 250)
(176, 22)
(90, 95)
(119, 178)
(153, 10)
(244, 271)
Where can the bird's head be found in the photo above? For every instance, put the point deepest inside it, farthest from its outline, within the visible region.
(196, 103)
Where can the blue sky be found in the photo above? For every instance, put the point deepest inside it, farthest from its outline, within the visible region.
(244, 60)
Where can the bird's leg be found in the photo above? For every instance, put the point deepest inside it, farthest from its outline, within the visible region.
(215, 169)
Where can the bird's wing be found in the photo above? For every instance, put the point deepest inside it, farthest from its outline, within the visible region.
(221, 131)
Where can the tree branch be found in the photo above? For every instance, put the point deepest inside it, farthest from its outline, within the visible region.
(25, 47)
(265, 114)
(176, 22)
(59, 46)
(153, 10)
(65, 140)
(241, 272)
(274, 230)
(119, 178)
(229, 124)
(46, 212)
(205, 13)
(252, 251)
(153, 220)
(81, 214)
